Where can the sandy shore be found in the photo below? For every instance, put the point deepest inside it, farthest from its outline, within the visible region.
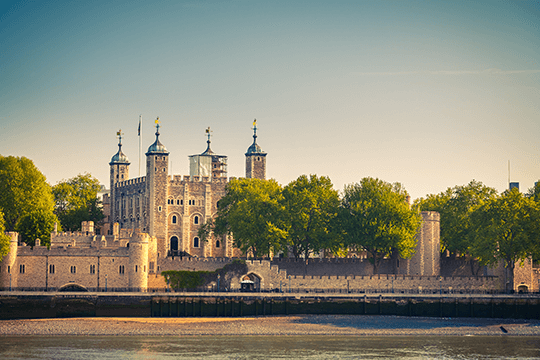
(278, 325)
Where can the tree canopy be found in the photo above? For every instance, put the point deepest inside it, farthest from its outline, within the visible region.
(4, 239)
(251, 211)
(76, 201)
(23, 189)
(455, 206)
(38, 224)
(376, 217)
(507, 229)
(310, 205)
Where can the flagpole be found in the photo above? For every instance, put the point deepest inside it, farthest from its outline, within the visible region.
(140, 129)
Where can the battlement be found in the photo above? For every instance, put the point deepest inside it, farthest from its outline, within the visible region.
(72, 251)
(179, 180)
(140, 181)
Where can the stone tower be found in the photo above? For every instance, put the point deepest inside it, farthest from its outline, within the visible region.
(157, 169)
(119, 166)
(8, 271)
(255, 158)
(426, 260)
(138, 262)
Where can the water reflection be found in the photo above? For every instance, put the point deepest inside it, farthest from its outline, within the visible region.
(268, 347)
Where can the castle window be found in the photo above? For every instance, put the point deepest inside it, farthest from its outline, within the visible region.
(177, 202)
(174, 219)
(196, 242)
(258, 158)
(144, 268)
(121, 269)
(168, 201)
(21, 269)
(9, 269)
(217, 243)
(136, 268)
(51, 269)
(196, 220)
(159, 208)
(92, 269)
(163, 169)
(73, 269)
(181, 202)
(151, 266)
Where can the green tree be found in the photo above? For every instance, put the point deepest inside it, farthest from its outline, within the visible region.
(23, 189)
(507, 229)
(376, 217)
(251, 211)
(310, 206)
(455, 206)
(38, 224)
(76, 201)
(534, 192)
(4, 239)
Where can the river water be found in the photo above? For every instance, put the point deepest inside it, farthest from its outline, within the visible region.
(268, 347)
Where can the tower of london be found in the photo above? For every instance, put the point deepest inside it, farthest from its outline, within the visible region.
(172, 208)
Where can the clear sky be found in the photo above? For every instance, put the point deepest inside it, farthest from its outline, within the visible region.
(431, 94)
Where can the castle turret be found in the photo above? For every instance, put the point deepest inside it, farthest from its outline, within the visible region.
(208, 163)
(255, 158)
(8, 273)
(157, 169)
(119, 166)
(138, 262)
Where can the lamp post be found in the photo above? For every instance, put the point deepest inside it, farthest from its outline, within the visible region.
(289, 283)
(440, 285)
(392, 284)
(105, 282)
(10, 281)
(218, 277)
(168, 277)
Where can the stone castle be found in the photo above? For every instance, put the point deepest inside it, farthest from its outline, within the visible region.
(152, 225)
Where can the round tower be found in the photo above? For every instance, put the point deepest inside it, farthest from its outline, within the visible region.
(157, 167)
(119, 167)
(8, 273)
(255, 158)
(138, 262)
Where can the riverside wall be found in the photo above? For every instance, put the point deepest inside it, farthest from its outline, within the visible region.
(58, 305)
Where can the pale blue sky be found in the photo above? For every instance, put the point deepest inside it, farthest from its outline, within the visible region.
(431, 94)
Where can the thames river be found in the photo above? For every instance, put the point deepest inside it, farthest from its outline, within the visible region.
(268, 347)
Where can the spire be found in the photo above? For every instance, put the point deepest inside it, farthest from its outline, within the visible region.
(119, 157)
(208, 151)
(157, 147)
(254, 148)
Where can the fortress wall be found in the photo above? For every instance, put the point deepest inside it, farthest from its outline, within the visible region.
(400, 282)
(192, 264)
(331, 266)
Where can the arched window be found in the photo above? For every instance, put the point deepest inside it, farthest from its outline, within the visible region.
(173, 220)
(217, 243)
(196, 242)
(196, 220)
(174, 244)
